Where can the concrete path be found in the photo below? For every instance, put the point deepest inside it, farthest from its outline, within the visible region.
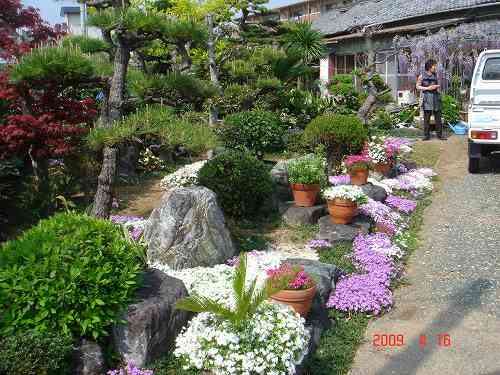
(455, 278)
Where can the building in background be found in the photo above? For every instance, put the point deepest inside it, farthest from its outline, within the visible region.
(304, 10)
(366, 32)
(75, 17)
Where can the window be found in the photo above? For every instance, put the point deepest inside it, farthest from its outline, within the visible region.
(491, 71)
(344, 64)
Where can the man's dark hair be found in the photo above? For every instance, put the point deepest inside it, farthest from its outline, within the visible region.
(429, 64)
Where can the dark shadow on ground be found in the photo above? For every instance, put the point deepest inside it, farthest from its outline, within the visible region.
(490, 164)
(462, 303)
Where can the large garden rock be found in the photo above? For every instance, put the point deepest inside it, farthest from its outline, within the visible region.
(152, 323)
(188, 230)
(363, 223)
(375, 192)
(336, 233)
(88, 359)
(304, 215)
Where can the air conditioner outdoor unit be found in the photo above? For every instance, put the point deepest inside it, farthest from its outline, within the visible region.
(406, 97)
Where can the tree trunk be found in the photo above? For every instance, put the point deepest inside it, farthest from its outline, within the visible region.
(103, 197)
(212, 65)
(41, 173)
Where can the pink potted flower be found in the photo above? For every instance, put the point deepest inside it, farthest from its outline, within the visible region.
(296, 287)
(358, 167)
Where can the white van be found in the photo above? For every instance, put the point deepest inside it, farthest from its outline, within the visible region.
(484, 108)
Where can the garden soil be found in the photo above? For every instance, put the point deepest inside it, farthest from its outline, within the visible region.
(448, 316)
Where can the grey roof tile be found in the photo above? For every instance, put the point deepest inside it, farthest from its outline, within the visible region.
(373, 12)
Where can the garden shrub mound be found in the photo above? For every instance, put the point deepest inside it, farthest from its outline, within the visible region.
(30, 353)
(255, 131)
(242, 183)
(71, 274)
(341, 134)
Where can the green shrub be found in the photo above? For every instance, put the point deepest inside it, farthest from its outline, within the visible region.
(342, 87)
(342, 135)
(451, 110)
(383, 120)
(236, 98)
(36, 354)
(296, 144)
(255, 131)
(242, 183)
(309, 169)
(71, 273)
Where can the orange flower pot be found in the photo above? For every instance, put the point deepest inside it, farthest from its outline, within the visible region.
(383, 168)
(359, 176)
(299, 300)
(342, 211)
(305, 195)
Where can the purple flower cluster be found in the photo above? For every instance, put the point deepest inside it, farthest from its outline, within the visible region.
(361, 293)
(367, 292)
(122, 219)
(382, 214)
(130, 369)
(393, 145)
(318, 244)
(343, 179)
(401, 204)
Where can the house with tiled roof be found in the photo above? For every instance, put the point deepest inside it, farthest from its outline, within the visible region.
(365, 33)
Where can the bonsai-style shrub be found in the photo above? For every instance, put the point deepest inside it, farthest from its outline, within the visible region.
(71, 274)
(242, 182)
(308, 170)
(34, 353)
(450, 110)
(342, 135)
(255, 131)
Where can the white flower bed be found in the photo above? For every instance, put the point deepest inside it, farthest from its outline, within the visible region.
(185, 176)
(272, 343)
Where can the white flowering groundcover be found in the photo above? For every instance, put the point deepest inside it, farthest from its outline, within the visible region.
(272, 343)
(185, 176)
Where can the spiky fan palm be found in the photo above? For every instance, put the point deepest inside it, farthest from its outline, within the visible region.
(303, 40)
(248, 299)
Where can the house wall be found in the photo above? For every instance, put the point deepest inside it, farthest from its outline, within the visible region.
(311, 10)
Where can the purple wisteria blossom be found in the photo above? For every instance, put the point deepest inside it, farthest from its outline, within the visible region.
(343, 179)
(130, 369)
(361, 293)
(401, 204)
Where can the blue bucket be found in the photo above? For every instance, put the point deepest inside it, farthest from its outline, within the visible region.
(460, 128)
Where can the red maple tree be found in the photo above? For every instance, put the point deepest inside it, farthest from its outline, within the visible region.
(37, 122)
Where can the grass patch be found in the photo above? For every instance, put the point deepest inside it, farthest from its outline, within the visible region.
(338, 345)
(340, 256)
(302, 233)
(426, 154)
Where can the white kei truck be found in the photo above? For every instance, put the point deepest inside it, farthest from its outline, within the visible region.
(484, 108)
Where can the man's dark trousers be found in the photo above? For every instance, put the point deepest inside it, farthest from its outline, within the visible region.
(427, 123)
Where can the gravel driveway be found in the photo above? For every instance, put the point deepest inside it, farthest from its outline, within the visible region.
(454, 276)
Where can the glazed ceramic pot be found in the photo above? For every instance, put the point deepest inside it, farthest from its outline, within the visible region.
(305, 195)
(299, 300)
(342, 211)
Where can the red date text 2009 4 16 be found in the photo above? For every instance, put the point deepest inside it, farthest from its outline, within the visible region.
(398, 340)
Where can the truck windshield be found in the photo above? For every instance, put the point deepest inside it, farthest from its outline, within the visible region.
(491, 71)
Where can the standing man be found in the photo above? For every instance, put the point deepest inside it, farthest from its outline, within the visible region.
(427, 83)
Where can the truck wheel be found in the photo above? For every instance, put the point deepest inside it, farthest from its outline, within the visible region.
(474, 165)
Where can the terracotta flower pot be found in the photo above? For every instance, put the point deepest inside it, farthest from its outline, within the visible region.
(383, 168)
(305, 195)
(299, 300)
(359, 176)
(341, 211)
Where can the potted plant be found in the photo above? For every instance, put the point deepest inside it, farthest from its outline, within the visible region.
(296, 288)
(305, 175)
(380, 155)
(343, 201)
(358, 167)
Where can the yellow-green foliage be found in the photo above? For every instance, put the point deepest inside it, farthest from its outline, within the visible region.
(61, 65)
(156, 121)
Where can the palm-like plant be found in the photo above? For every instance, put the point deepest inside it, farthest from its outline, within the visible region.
(304, 41)
(248, 299)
